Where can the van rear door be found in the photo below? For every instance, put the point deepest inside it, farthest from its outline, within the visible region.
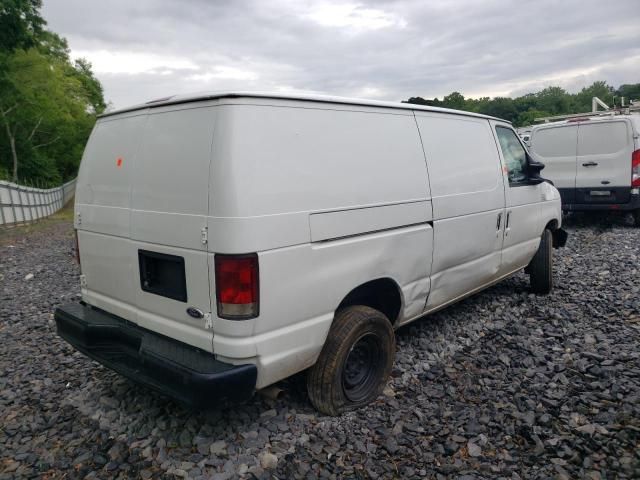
(555, 146)
(169, 208)
(103, 211)
(604, 162)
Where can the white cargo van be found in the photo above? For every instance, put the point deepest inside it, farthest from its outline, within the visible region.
(228, 241)
(594, 162)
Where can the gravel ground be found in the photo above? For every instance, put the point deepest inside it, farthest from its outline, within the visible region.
(502, 385)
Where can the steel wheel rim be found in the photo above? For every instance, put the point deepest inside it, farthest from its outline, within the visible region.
(361, 368)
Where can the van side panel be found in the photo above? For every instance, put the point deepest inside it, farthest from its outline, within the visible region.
(330, 199)
(346, 223)
(468, 203)
(274, 163)
(293, 324)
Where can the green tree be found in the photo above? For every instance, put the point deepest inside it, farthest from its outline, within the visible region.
(501, 107)
(555, 100)
(550, 101)
(528, 118)
(48, 103)
(45, 117)
(20, 24)
(92, 86)
(629, 92)
(454, 100)
(600, 89)
(421, 101)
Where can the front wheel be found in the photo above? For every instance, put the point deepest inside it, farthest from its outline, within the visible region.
(541, 266)
(355, 362)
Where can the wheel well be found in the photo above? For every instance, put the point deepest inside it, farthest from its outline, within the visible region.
(382, 294)
(552, 225)
(559, 236)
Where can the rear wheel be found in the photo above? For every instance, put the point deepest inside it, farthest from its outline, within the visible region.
(355, 362)
(636, 216)
(541, 266)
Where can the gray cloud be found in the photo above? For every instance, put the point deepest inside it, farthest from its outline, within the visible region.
(381, 49)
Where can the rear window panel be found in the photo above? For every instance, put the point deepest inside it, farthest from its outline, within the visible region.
(602, 138)
(555, 142)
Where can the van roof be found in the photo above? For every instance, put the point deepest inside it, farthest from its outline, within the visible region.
(195, 97)
(587, 119)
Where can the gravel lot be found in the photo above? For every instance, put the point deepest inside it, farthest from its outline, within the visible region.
(502, 385)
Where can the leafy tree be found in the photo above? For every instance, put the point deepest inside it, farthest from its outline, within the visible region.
(20, 24)
(529, 117)
(629, 92)
(501, 107)
(454, 100)
(421, 101)
(92, 86)
(524, 110)
(598, 89)
(35, 111)
(554, 99)
(48, 103)
(54, 46)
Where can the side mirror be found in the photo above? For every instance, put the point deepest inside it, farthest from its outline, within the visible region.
(533, 171)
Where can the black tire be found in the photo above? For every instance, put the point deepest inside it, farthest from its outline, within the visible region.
(355, 361)
(636, 217)
(541, 266)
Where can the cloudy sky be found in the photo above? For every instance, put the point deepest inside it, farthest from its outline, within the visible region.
(388, 50)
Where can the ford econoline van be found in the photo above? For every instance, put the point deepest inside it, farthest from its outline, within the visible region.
(594, 162)
(229, 241)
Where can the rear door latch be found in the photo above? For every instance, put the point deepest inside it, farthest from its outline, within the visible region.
(204, 235)
(208, 321)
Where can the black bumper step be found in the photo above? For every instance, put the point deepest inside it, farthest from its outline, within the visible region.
(188, 374)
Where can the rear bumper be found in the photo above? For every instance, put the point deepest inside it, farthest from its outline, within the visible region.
(186, 373)
(632, 203)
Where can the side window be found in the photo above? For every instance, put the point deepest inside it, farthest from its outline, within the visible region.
(514, 155)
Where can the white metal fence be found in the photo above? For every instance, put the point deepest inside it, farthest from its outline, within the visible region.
(22, 204)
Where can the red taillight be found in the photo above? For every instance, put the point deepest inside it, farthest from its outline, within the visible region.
(635, 169)
(237, 286)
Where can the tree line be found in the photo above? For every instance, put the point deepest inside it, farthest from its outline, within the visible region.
(550, 101)
(48, 102)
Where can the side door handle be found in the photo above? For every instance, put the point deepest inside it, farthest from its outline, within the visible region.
(499, 222)
(506, 223)
(590, 164)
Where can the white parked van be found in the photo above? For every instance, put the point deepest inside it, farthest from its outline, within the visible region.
(594, 162)
(228, 241)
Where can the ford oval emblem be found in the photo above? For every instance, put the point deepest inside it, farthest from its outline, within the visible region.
(195, 312)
